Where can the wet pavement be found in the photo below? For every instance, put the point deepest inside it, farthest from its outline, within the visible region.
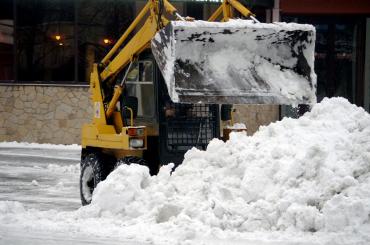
(40, 178)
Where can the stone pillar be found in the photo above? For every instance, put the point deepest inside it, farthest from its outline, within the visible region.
(276, 11)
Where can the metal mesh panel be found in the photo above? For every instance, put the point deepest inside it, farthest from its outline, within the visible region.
(192, 125)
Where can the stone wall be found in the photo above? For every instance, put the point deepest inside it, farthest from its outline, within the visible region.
(43, 114)
(253, 116)
(52, 114)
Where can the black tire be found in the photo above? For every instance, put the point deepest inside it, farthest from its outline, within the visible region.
(94, 168)
(133, 160)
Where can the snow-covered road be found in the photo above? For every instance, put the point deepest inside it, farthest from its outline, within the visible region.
(14, 236)
(40, 178)
(43, 179)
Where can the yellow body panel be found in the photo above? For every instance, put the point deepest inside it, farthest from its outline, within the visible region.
(105, 136)
(97, 98)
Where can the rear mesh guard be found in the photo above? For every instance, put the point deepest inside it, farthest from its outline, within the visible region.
(192, 126)
(237, 62)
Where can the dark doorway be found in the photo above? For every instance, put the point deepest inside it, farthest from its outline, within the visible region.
(194, 9)
(339, 55)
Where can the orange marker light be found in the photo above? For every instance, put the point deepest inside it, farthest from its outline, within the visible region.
(131, 132)
(58, 37)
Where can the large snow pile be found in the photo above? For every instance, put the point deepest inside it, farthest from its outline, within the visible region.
(297, 181)
(310, 174)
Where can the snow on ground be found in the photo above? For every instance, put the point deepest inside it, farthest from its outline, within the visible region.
(297, 181)
(41, 177)
(15, 144)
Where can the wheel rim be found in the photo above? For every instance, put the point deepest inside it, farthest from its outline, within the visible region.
(87, 183)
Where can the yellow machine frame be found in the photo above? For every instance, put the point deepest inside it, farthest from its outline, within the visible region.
(107, 130)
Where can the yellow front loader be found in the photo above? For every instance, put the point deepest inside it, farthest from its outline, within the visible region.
(156, 94)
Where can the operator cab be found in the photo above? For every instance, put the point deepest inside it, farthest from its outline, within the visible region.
(172, 128)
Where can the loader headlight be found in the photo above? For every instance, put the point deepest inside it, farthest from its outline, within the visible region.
(136, 143)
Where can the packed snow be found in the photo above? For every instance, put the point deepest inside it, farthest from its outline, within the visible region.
(237, 126)
(310, 174)
(238, 61)
(15, 144)
(42, 176)
(296, 181)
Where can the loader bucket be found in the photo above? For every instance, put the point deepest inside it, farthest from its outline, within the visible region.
(237, 62)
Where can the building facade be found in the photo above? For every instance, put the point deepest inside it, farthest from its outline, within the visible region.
(48, 47)
(342, 47)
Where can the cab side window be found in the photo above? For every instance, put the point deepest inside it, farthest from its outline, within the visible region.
(140, 84)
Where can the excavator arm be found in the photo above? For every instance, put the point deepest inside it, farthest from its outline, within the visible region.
(213, 62)
(153, 16)
(227, 9)
(107, 130)
(120, 56)
(155, 20)
(141, 41)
